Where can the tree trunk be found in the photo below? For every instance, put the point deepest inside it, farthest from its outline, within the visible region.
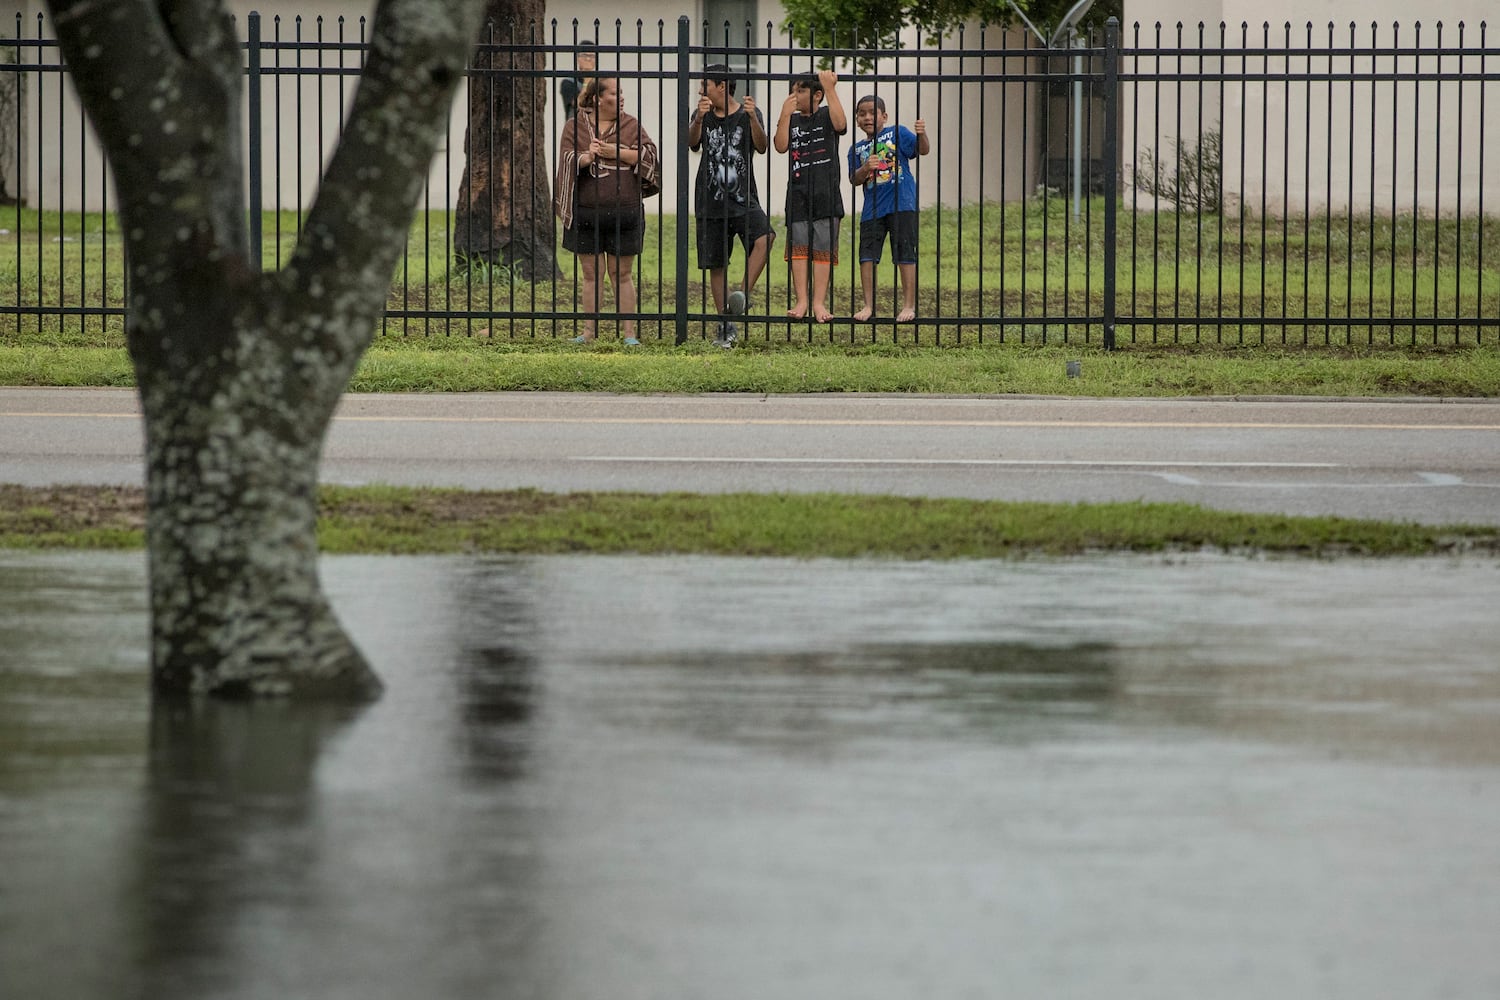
(233, 441)
(239, 372)
(504, 211)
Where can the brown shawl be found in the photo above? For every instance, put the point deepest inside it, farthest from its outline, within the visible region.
(577, 134)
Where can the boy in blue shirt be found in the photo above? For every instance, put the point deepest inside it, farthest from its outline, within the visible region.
(881, 162)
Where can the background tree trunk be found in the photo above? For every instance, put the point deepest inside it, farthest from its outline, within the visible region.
(10, 140)
(239, 372)
(504, 211)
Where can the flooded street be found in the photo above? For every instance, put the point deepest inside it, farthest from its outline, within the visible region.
(623, 778)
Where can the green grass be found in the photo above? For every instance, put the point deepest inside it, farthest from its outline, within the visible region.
(408, 521)
(1180, 274)
(458, 365)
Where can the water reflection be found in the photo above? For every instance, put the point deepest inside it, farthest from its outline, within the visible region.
(494, 665)
(825, 699)
(231, 835)
(72, 655)
(692, 777)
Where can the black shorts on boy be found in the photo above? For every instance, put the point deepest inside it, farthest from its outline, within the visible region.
(715, 236)
(902, 227)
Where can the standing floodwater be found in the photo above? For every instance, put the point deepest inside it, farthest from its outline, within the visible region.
(711, 778)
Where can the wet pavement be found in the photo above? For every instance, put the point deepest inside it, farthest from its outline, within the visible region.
(619, 777)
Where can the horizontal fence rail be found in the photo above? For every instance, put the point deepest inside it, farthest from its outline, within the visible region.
(1219, 184)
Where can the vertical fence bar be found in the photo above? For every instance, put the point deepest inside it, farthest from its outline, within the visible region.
(1265, 167)
(62, 193)
(1306, 177)
(1395, 169)
(1156, 85)
(1135, 157)
(1349, 213)
(1026, 162)
(1458, 194)
(41, 171)
(1437, 181)
(1416, 172)
(1073, 199)
(983, 88)
(1214, 205)
(1181, 185)
(19, 121)
(1111, 170)
(683, 101)
(1328, 208)
(1286, 168)
(1088, 190)
(1479, 216)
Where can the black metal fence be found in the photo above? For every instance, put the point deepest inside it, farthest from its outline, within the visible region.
(1228, 185)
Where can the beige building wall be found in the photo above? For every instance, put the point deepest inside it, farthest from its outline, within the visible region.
(1382, 145)
(978, 128)
(1377, 146)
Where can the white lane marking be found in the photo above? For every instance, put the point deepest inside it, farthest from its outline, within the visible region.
(1429, 480)
(801, 422)
(1068, 462)
(1355, 486)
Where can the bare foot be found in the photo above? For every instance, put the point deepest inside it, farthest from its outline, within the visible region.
(864, 314)
(906, 315)
(822, 315)
(797, 311)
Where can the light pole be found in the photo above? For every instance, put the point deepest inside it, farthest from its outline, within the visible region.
(1067, 29)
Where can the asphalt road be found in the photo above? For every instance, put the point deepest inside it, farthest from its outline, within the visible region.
(1429, 461)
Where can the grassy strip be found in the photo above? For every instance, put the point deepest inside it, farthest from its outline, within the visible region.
(476, 366)
(399, 520)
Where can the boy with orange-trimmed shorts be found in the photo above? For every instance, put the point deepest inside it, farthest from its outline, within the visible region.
(809, 130)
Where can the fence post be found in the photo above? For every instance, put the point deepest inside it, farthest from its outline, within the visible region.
(684, 32)
(253, 150)
(1111, 170)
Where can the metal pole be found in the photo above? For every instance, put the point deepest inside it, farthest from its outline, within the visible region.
(253, 151)
(684, 100)
(1077, 127)
(1111, 170)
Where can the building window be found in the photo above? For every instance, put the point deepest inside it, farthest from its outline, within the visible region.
(733, 24)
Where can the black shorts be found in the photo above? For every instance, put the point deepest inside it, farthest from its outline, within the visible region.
(716, 236)
(903, 229)
(617, 232)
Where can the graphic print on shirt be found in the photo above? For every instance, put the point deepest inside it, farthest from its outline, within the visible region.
(883, 159)
(809, 146)
(727, 164)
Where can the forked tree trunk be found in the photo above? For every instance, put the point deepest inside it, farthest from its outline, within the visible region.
(504, 211)
(239, 372)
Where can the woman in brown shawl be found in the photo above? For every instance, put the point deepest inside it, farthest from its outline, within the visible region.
(606, 157)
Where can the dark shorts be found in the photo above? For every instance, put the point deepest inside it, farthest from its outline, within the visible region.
(902, 227)
(617, 232)
(716, 236)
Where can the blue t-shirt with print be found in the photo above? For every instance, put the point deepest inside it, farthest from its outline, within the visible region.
(892, 188)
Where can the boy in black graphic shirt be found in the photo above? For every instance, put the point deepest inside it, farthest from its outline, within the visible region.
(727, 204)
(814, 197)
